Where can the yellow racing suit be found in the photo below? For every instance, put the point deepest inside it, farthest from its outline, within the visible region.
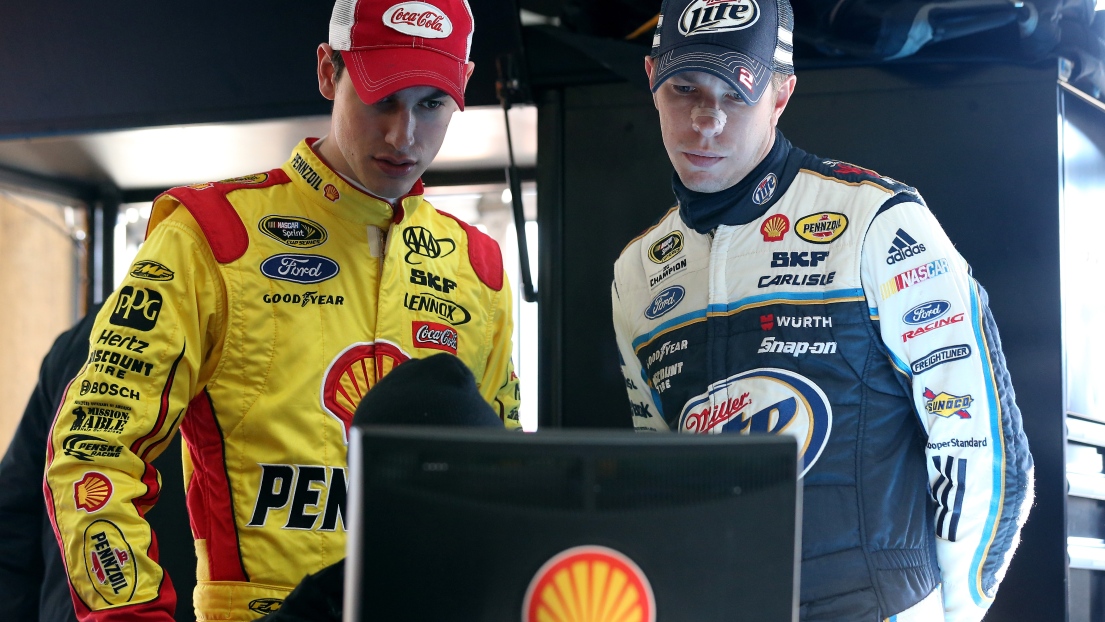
(254, 320)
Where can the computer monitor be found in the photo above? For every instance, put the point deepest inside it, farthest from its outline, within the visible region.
(571, 526)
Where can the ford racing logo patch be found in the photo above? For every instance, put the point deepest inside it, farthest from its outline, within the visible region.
(764, 401)
(665, 301)
(295, 268)
(926, 312)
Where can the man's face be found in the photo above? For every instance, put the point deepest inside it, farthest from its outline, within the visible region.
(713, 138)
(388, 144)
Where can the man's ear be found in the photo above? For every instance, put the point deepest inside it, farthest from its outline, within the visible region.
(782, 98)
(650, 63)
(468, 73)
(327, 73)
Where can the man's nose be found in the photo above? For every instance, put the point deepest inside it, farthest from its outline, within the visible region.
(400, 134)
(708, 120)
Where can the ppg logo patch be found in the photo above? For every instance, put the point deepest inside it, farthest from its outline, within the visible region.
(764, 401)
(137, 308)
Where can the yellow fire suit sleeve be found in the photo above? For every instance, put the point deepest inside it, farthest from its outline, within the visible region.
(499, 384)
(152, 348)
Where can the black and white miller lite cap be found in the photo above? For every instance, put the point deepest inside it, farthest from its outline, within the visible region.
(740, 41)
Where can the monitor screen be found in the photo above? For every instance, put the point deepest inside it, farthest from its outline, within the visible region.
(571, 526)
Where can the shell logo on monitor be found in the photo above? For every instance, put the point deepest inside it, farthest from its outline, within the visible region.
(589, 584)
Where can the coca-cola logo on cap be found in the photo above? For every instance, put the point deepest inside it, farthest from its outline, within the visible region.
(418, 19)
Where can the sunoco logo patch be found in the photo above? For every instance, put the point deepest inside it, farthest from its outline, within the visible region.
(598, 583)
(764, 401)
(666, 248)
(293, 231)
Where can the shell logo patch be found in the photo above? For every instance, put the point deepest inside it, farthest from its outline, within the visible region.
(821, 228)
(589, 584)
(330, 191)
(352, 373)
(775, 228)
(92, 493)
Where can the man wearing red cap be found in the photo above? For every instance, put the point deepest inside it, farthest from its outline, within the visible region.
(258, 313)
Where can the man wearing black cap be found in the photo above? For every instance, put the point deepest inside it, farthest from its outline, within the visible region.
(791, 294)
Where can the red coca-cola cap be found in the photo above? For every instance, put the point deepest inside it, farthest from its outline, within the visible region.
(388, 46)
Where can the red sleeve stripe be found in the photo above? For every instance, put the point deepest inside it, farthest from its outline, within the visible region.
(163, 411)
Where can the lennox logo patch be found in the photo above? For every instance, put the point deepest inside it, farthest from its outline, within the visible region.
(418, 19)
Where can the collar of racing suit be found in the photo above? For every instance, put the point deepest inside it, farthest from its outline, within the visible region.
(748, 199)
(333, 193)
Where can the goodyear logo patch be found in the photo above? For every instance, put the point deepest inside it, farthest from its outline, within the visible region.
(293, 231)
(821, 228)
(666, 248)
(589, 584)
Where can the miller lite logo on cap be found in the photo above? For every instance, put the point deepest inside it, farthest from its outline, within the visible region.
(593, 579)
(418, 19)
(708, 16)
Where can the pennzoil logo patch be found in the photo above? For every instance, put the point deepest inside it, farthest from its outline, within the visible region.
(109, 562)
(293, 231)
(151, 271)
(666, 248)
(580, 581)
(821, 228)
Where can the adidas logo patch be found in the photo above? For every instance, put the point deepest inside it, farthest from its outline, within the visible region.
(903, 247)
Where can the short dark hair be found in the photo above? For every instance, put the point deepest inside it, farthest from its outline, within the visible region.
(338, 62)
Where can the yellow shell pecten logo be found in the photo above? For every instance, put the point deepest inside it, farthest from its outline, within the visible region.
(589, 584)
(353, 373)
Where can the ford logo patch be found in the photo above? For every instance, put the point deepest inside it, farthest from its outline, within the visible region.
(299, 268)
(926, 312)
(665, 301)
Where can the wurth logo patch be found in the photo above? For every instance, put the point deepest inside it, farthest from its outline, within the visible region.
(903, 247)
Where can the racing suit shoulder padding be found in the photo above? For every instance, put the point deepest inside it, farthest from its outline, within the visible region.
(483, 254)
(225, 233)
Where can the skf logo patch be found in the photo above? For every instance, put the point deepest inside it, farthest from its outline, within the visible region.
(249, 180)
(710, 16)
(821, 228)
(435, 336)
(110, 562)
(352, 373)
(946, 405)
(774, 228)
(418, 19)
(293, 231)
(151, 271)
(666, 248)
(330, 191)
(593, 579)
(421, 241)
(137, 308)
(93, 492)
(766, 189)
(764, 401)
